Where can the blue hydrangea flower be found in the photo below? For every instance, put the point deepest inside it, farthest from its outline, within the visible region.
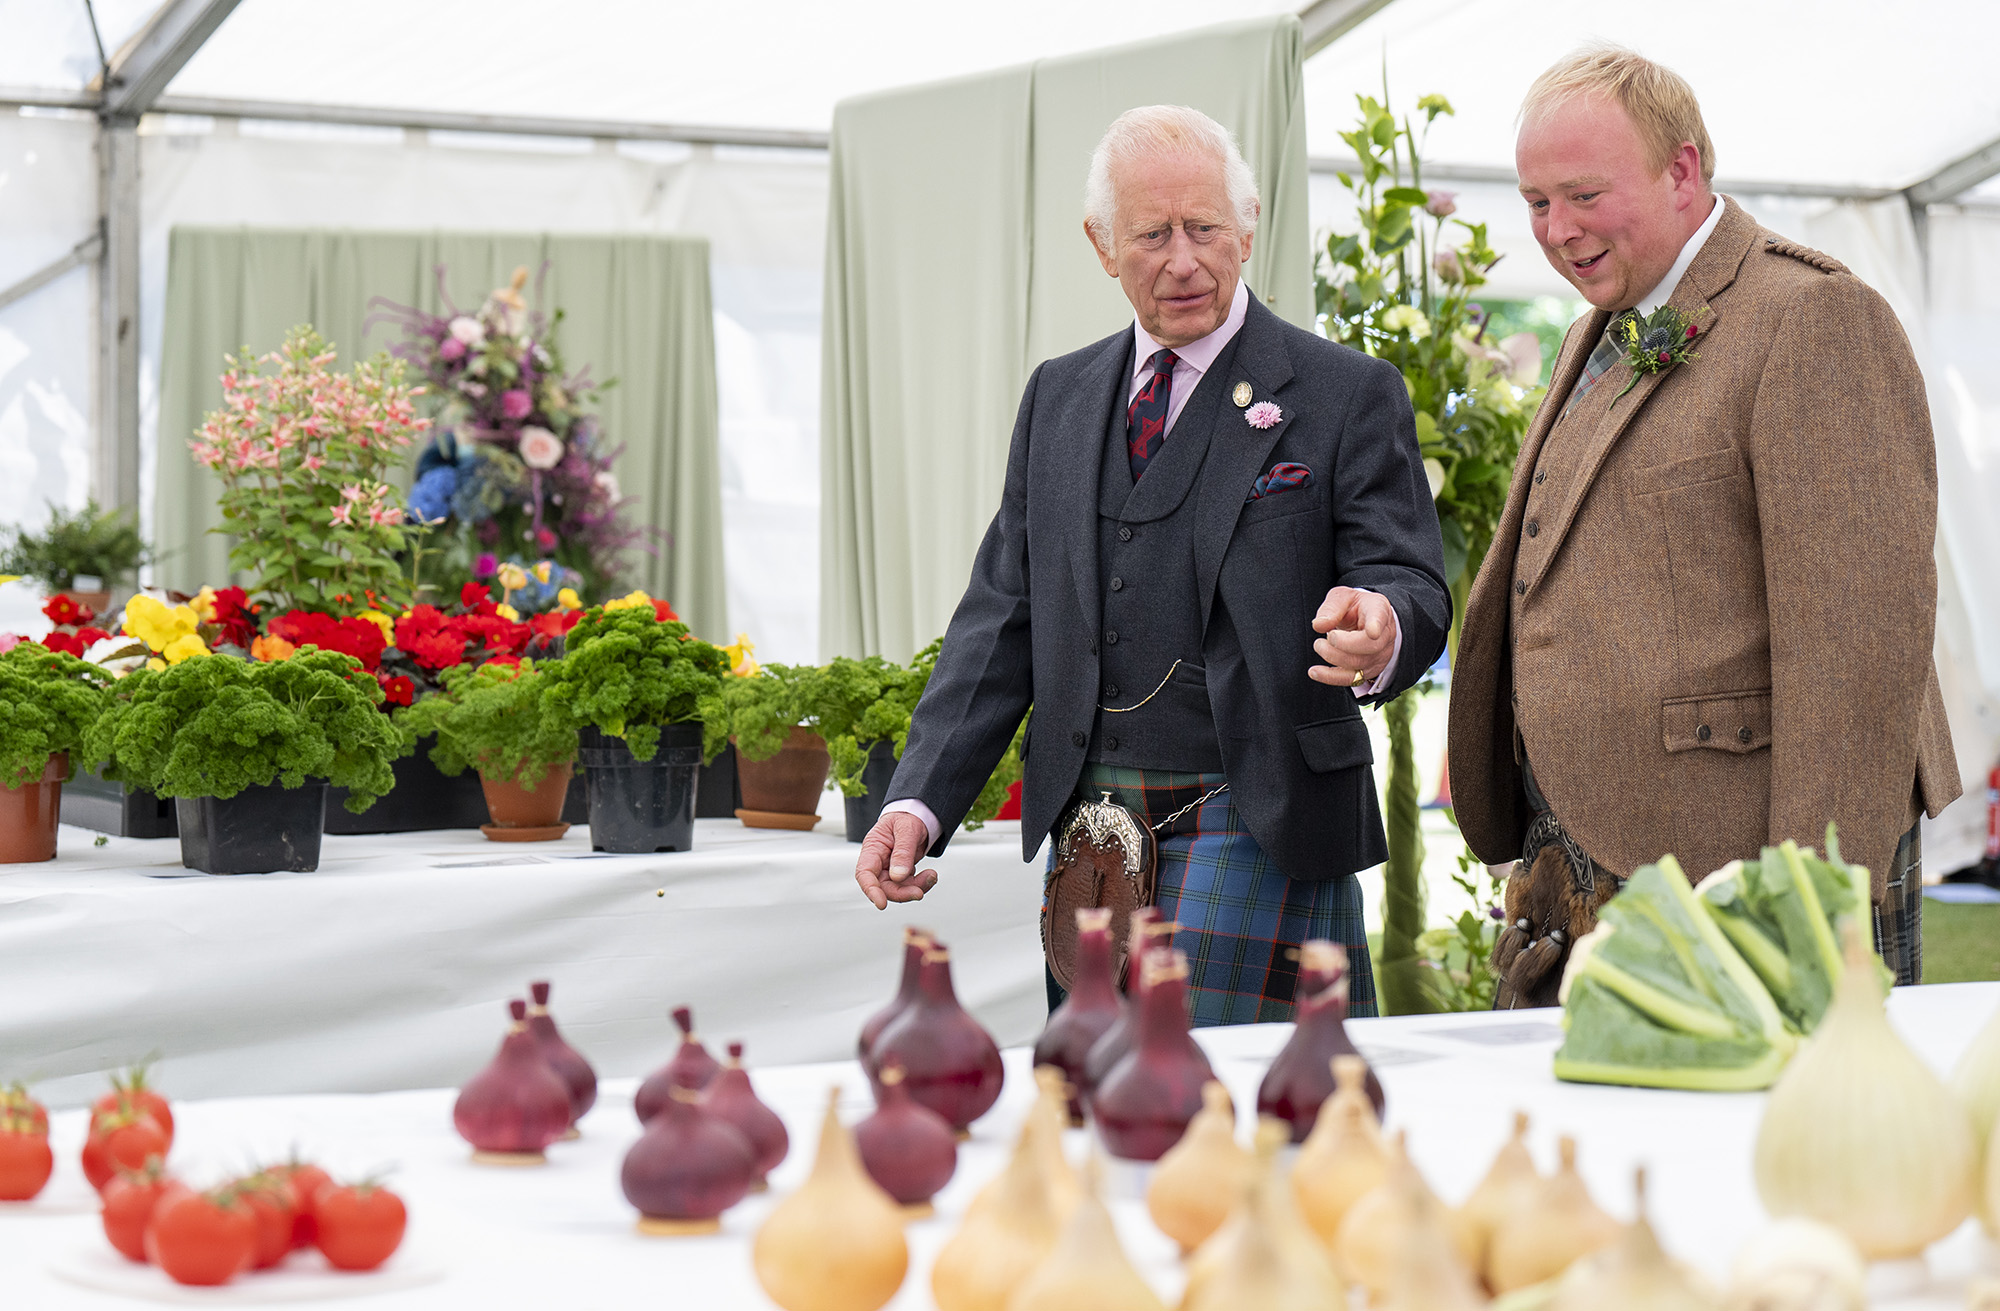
(431, 496)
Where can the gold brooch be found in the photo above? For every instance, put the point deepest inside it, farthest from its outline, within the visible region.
(1241, 395)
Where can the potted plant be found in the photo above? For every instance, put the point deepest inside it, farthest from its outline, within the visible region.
(247, 748)
(780, 761)
(82, 553)
(863, 711)
(490, 718)
(631, 684)
(48, 702)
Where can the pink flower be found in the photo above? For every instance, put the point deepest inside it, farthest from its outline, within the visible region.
(452, 349)
(352, 492)
(468, 331)
(540, 448)
(485, 566)
(340, 515)
(314, 463)
(386, 514)
(1264, 414)
(545, 539)
(1441, 204)
(1447, 265)
(516, 403)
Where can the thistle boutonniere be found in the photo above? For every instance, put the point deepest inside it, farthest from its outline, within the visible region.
(1654, 343)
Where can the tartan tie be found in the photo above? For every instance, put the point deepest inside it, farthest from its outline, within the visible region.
(1146, 416)
(1599, 363)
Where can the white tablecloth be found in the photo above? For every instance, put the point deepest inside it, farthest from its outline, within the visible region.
(563, 1235)
(388, 967)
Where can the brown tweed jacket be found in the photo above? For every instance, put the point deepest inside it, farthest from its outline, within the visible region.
(1709, 604)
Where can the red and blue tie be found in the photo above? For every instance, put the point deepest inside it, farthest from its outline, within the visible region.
(1146, 416)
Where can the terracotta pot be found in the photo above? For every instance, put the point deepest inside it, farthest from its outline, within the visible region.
(790, 782)
(515, 807)
(28, 815)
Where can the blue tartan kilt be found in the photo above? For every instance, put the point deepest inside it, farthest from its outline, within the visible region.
(1241, 919)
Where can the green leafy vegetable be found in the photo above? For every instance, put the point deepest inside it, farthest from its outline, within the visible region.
(489, 718)
(48, 702)
(1782, 913)
(625, 673)
(760, 710)
(858, 703)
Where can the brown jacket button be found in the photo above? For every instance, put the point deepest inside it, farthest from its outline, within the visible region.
(1744, 735)
(1520, 587)
(1541, 476)
(1534, 527)
(1701, 733)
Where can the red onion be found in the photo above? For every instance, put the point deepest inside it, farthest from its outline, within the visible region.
(732, 1098)
(692, 1067)
(950, 1064)
(907, 1148)
(1320, 963)
(914, 943)
(516, 1106)
(1144, 1104)
(564, 1059)
(1093, 1006)
(687, 1168)
(1301, 1076)
(1149, 931)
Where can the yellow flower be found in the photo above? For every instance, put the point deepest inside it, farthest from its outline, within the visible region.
(204, 605)
(567, 599)
(507, 612)
(10, 578)
(184, 648)
(157, 625)
(630, 601)
(513, 577)
(383, 622)
(740, 661)
(156, 664)
(543, 570)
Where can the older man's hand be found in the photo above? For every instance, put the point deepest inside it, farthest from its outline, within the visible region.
(887, 867)
(1359, 630)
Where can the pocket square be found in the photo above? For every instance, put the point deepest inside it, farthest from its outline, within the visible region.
(1282, 478)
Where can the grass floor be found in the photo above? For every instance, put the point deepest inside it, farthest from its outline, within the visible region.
(1961, 943)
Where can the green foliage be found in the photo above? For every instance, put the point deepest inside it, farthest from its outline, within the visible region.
(860, 702)
(1547, 318)
(760, 710)
(625, 673)
(489, 718)
(90, 542)
(48, 702)
(214, 725)
(1455, 955)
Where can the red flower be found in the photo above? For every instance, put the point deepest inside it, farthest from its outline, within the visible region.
(396, 691)
(88, 635)
(352, 636)
(66, 609)
(473, 595)
(1666, 357)
(513, 661)
(500, 636)
(1692, 330)
(67, 643)
(545, 539)
(554, 623)
(663, 612)
(234, 615)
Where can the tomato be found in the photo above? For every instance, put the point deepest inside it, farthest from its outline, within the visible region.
(129, 1202)
(272, 1204)
(306, 1181)
(25, 1159)
(121, 1138)
(14, 1100)
(360, 1225)
(202, 1238)
(133, 1089)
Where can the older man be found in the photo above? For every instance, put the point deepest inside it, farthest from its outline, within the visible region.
(1705, 622)
(1188, 503)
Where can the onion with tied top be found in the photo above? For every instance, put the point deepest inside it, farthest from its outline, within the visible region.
(691, 1067)
(907, 1148)
(687, 1168)
(1301, 1076)
(564, 1059)
(950, 1063)
(732, 1098)
(1092, 1007)
(1144, 1104)
(915, 943)
(516, 1106)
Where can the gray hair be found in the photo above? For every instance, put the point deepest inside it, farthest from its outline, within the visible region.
(1154, 130)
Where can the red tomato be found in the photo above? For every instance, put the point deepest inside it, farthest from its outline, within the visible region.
(25, 1159)
(270, 1200)
(360, 1225)
(129, 1202)
(14, 1100)
(123, 1138)
(306, 1181)
(201, 1238)
(134, 1089)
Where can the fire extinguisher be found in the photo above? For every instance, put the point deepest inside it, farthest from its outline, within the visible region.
(1993, 816)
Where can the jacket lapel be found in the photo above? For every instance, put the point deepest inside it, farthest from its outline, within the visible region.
(1713, 270)
(1237, 451)
(1096, 407)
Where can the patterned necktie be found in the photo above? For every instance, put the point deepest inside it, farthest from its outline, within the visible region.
(1146, 416)
(1599, 363)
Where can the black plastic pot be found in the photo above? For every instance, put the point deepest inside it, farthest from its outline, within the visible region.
(576, 801)
(718, 791)
(260, 830)
(864, 810)
(423, 798)
(94, 803)
(642, 806)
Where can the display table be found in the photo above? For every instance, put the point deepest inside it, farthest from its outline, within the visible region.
(562, 1235)
(388, 967)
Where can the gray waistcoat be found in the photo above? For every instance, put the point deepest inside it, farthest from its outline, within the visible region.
(1152, 610)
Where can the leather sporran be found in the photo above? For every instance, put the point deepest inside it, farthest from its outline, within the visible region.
(1104, 857)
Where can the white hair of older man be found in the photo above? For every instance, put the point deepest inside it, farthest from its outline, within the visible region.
(1154, 130)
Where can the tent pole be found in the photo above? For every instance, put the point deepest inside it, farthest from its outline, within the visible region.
(116, 473)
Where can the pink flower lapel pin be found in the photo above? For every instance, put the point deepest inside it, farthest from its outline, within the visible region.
(1264, 414)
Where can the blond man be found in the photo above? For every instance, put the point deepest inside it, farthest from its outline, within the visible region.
(1705, 623)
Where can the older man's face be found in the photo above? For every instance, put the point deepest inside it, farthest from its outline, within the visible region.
(1176, 246)
(1608, 220)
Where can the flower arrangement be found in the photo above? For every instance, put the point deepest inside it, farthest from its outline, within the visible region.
(517, 467)
(302, 452)
(490, 719)
(73, 632)
(49, 701)
(212, 727)
(626, 671)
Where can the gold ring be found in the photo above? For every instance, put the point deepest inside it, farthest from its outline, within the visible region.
(1358, 677)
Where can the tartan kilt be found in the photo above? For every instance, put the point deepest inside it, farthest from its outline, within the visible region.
(1241, 919)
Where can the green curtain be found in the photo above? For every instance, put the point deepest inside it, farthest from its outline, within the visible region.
(956, 261)
(636, 309)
